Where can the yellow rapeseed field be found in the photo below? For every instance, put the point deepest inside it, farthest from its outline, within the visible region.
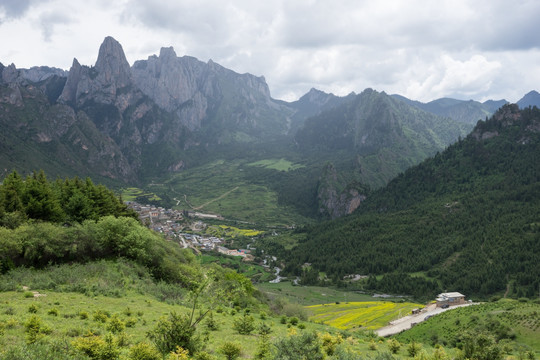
(370, 314)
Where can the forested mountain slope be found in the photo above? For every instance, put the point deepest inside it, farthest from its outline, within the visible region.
(467, 217)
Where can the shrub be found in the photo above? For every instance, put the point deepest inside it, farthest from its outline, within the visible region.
(372, 345)
(413, 349)
(130, 322)
(304, 346)
(211, 323)
(11, 323)
(178, 354)
(172, 332)
(9, 311)
(293, 321)
(262, 315)
(283, 319)
(122, 339)
(28, 294)
(35, 329)
(83, 315)
(97, 348)
(33, 309)
(263, 348)
(329, 343)
(244, 325)
(393, 346)
(116, 325)
(100, 316)
(203, 355)
(53, 312)
(143, 351)
(231, 350)
(264, 329)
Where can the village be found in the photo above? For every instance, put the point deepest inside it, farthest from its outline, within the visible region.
(174, 224)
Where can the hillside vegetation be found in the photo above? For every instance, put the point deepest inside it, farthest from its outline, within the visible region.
(466, 218)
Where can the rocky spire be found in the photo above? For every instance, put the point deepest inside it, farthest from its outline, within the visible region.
(112, 64)
(69, 94)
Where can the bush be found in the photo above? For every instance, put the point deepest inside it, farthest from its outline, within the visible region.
(172, 332)
(97, 347)
(393, 346)
(297, 347)
(116, 325)
(53, 312)
(203, 355)
(35, 329)
(231, 350)
(83, 315)
(244, 325)
(33, 309)
(210, 323)
(293, 321)
(130, 322)
(9, 311)
(144, 351)
(264, 329)
(100, 316)
(414, 349)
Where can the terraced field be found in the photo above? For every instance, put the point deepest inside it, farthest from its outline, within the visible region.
(368, 314)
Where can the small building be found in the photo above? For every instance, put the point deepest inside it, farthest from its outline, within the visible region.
(450, 299)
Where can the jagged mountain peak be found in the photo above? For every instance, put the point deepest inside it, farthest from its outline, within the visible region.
(112, 63)
(167, 53)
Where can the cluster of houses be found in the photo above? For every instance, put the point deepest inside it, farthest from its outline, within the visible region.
(168, 223)
(165, 221)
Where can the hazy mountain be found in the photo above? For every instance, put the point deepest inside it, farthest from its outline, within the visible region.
(386, 136)
(463, 111)
(316, 101)
(532, 98)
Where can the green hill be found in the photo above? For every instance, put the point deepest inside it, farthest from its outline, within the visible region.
(466, 219)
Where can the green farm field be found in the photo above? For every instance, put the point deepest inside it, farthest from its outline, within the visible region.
(223, 187)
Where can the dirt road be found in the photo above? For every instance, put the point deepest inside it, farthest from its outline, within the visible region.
(407, 322)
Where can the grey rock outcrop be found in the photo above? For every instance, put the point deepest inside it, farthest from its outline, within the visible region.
(336, 198)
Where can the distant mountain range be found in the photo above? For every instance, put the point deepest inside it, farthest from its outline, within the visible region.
(129, 124)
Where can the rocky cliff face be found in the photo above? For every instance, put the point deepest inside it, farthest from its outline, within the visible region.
(207, 96)
(336, 198)
(100, 84)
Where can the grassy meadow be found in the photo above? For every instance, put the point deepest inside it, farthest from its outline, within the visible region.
(277, 164)
(221, 187)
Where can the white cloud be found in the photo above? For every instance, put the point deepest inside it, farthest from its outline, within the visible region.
(419, 48)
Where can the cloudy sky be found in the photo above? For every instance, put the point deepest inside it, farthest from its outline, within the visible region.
(422, 49)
